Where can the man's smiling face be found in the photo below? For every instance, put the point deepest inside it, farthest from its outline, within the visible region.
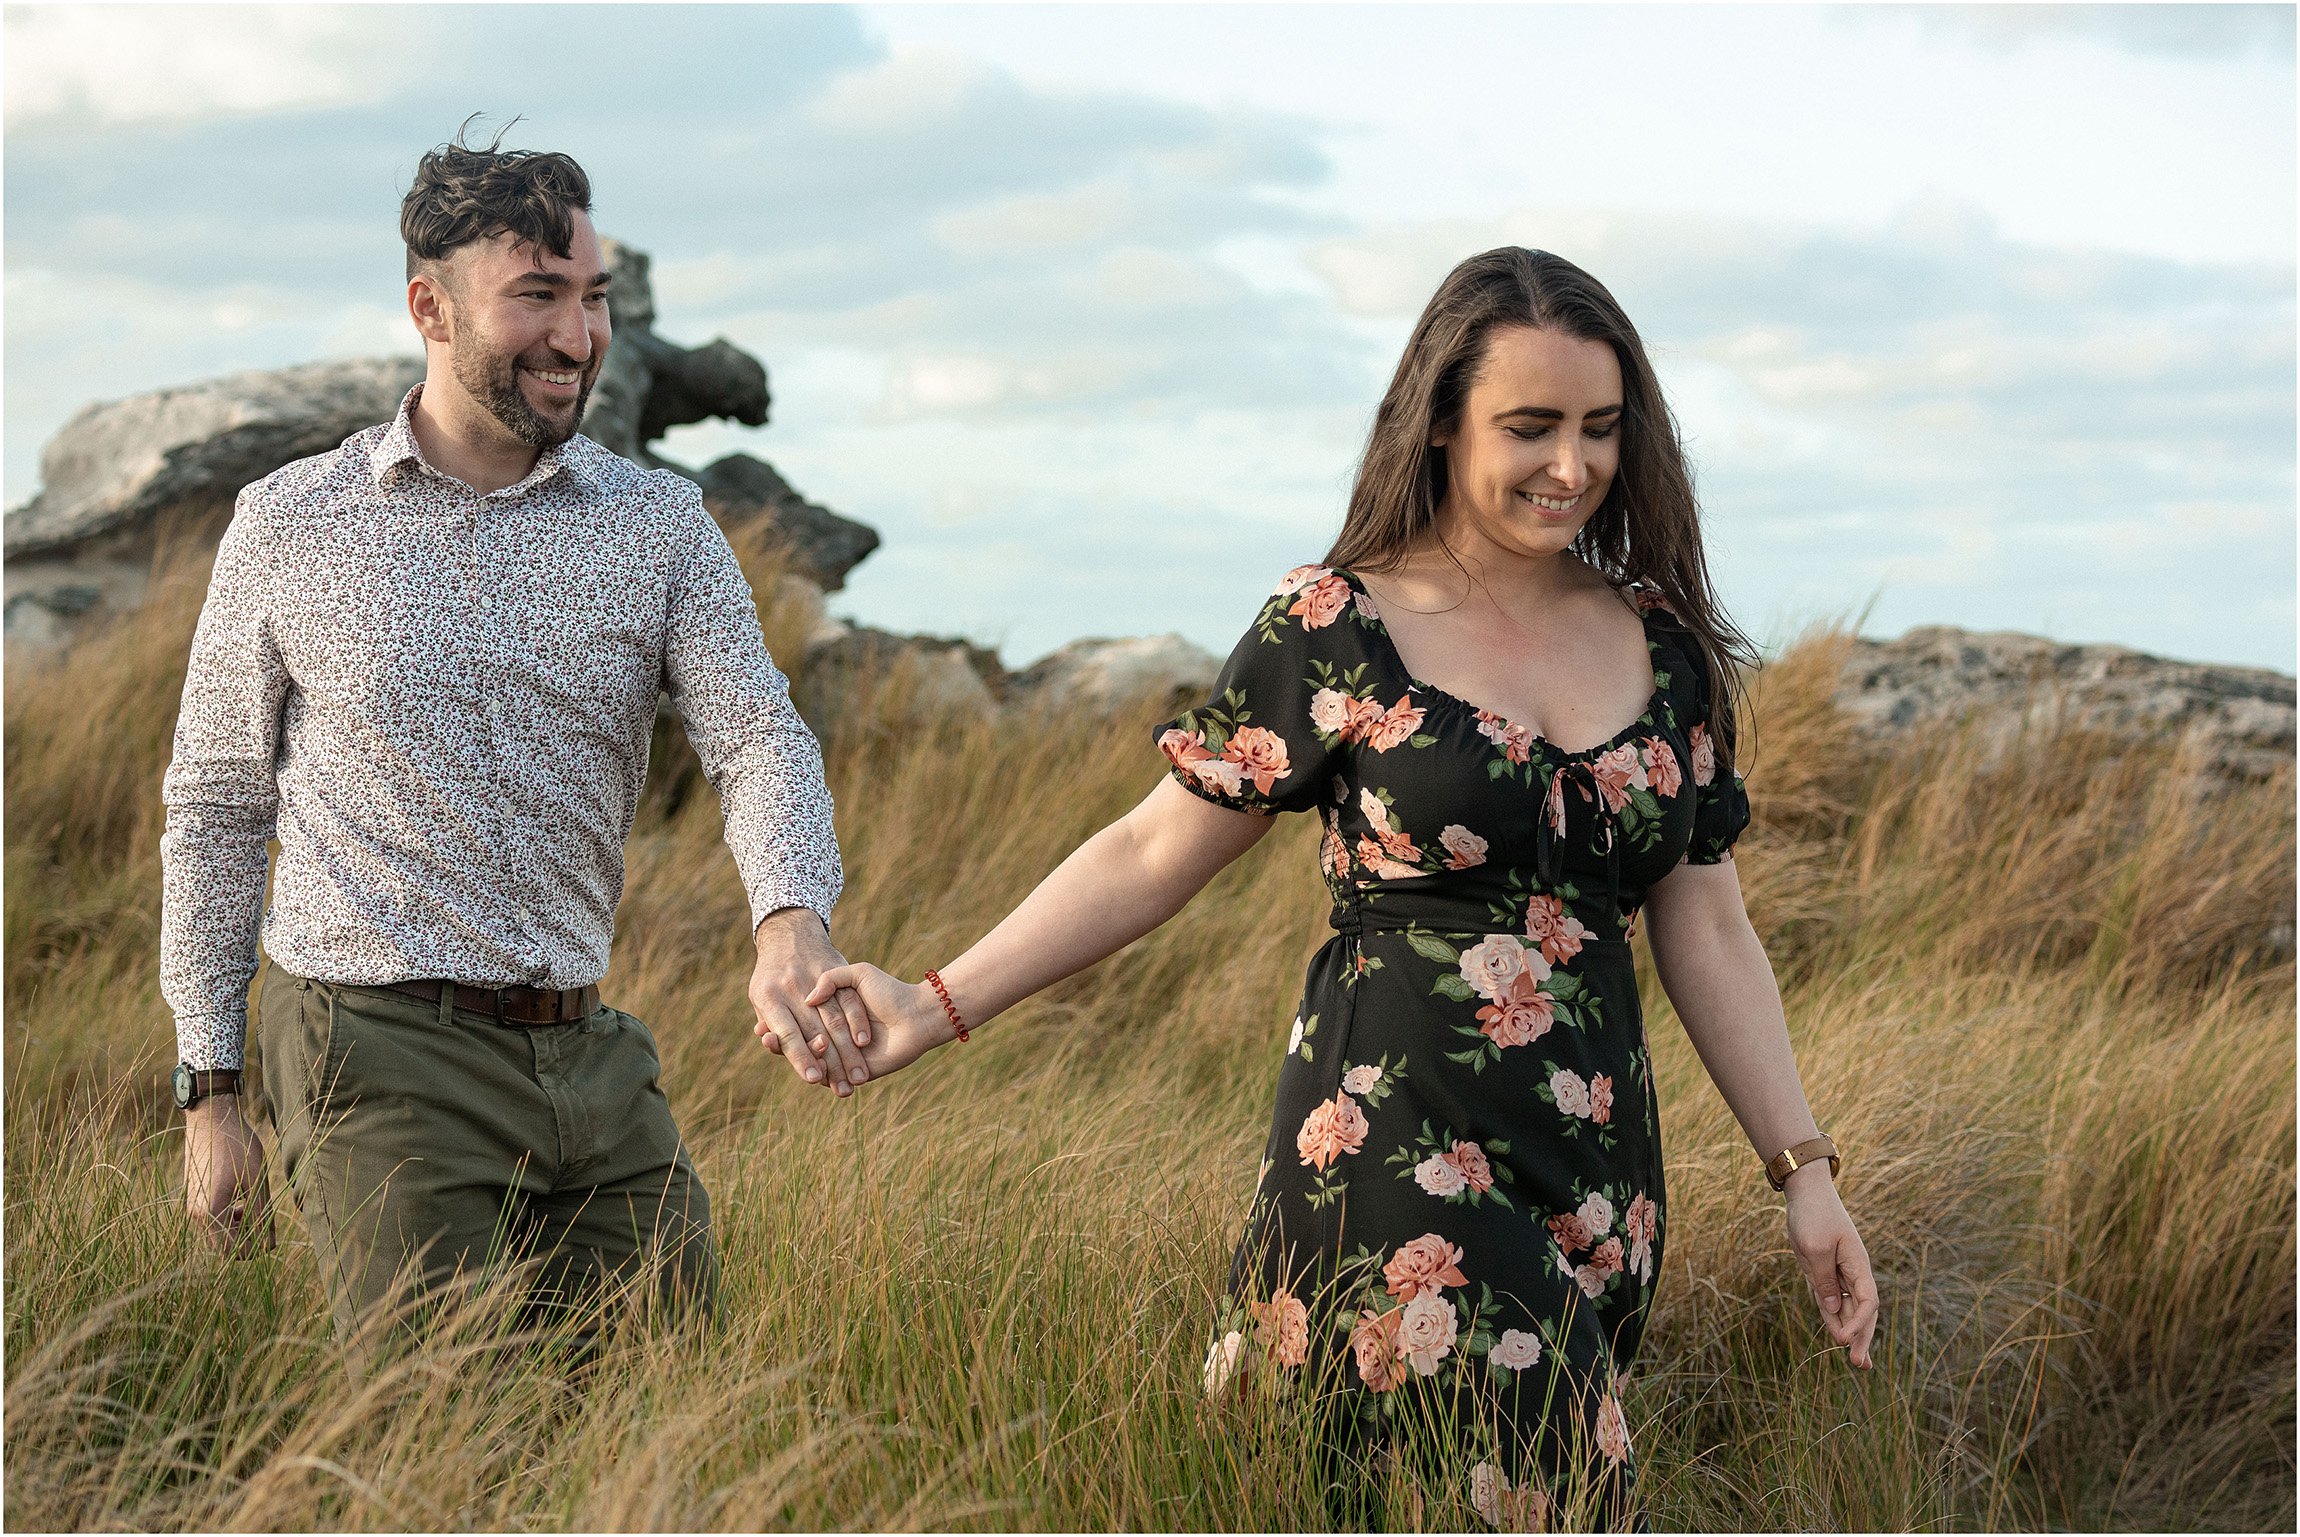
(530, 330)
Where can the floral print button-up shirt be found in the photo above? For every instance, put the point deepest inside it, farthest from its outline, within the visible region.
(441, 705)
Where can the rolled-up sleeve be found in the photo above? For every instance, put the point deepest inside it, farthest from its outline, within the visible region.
(222, 800)
(755, 749)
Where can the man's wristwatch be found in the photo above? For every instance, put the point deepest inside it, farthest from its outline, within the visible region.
(192, 1087)
(1789, 1160)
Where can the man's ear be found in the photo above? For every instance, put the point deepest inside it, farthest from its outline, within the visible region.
(431, 304)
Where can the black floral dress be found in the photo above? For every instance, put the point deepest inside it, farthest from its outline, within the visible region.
(1463, 1184)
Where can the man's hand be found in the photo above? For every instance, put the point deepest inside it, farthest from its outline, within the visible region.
(821, 1042)
(225, 1192)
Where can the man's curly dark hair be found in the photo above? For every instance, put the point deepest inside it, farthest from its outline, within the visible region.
(464, 193)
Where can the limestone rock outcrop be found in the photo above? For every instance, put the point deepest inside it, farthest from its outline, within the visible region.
(1937, 675)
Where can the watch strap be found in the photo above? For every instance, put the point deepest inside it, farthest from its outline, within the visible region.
(1789, 1160)
(194, 1085)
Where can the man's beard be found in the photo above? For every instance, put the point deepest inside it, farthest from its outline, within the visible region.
(492, 379)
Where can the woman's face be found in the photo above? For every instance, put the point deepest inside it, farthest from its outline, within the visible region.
(1538, 442)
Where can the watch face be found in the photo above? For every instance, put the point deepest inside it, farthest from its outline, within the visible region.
(183, 1087)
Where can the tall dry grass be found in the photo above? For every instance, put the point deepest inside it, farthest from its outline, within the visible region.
(2031, 993)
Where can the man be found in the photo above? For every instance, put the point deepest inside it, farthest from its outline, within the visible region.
(428, 663)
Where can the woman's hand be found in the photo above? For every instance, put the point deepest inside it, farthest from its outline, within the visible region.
(907, 1018)
(1830, 1253)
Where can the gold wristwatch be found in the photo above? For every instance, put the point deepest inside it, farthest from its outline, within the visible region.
(1789, 1160)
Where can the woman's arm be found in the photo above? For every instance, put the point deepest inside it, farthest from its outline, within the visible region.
(1114, 888)
(1714, 968)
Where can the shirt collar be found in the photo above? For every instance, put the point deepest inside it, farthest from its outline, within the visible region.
(397, 449)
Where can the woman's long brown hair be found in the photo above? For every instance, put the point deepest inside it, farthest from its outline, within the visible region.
(1648, 528)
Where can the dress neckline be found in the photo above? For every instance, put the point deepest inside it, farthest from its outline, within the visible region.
(1653, 701)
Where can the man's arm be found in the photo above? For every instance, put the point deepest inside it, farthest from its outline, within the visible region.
(222, 803)
(768, 770)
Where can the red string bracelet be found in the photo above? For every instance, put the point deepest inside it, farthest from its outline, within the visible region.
(934, 979)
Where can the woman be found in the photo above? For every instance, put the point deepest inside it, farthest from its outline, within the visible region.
(1461, 1210)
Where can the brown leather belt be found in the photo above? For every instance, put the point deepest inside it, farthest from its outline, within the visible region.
(513, 1005)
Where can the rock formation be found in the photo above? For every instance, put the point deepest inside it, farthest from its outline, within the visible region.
(1936, 676)
(123, 476)
(1096, 676)
(821, 546)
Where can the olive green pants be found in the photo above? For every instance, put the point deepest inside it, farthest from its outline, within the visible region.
(422, 1141)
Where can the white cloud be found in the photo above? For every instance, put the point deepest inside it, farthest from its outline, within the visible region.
(150, 63)
(910, 89)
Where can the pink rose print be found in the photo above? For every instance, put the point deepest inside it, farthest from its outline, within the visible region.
(1571, 1094)
(1336, 1127)
(1516, 1350)
(1644, 1216)
(1606, 1257)
(1364, 715)
(1640, 1223)
(1224, 776)
(1521, 1015)
(1387, 851)
(1557, 931)
(1362, 1078)
(1470, 1159)
(1330, 711)
(1333, 853)
(1612, 1430)
(1184, 749)
(1569, 1230)
(1374, 1341)
(1374, 854)
(1297, 579)
(1260, 754)
(1515, 742)
(1661, 767)
(1464, 850)
(1283, 1325)
(1485, 1493)
(1397, 724)
(1704, 755)
(1597, 1213)
(1427, 1332)
(1321, 602)
(1440, 1176)
(1423, 1265)
(1591, 1280)
(1617, 773)
(1490, 965)
(1601, 1099)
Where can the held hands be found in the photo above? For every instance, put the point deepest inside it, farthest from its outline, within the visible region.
(823, 1037)
(909, 1018)
(1829, 1251)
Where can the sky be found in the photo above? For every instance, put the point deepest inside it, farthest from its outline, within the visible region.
(1971, 315)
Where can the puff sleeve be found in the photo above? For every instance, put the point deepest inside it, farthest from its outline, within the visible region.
(1720, 799)
(1268, 739)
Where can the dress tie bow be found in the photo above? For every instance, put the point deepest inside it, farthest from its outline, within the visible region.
(1549, 833)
